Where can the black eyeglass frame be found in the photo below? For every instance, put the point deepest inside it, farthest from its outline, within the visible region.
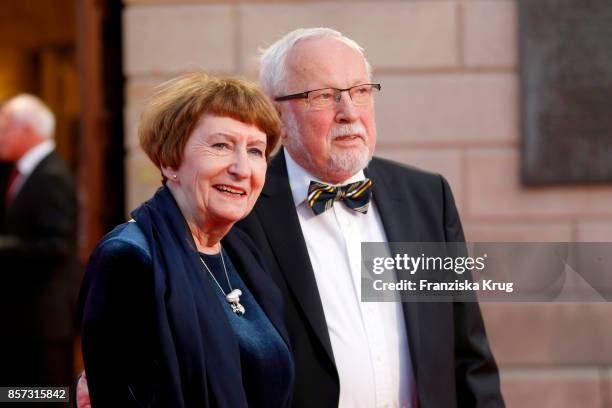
(304, 95)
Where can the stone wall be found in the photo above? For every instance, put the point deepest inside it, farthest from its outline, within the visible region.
(450, 103)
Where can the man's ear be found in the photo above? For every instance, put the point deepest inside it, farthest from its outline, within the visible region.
(283, 131)
(277, 106)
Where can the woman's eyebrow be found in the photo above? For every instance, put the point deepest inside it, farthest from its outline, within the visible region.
(261, 142)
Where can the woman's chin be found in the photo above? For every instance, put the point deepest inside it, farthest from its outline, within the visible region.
(230, 217)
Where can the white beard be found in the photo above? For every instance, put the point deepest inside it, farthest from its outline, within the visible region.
(341, 161)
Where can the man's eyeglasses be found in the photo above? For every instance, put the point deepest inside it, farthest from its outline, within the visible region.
(326, 97)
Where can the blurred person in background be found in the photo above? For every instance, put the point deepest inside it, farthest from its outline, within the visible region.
(38, 230)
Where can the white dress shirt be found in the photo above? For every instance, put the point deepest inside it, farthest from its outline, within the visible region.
(368, 338)
(29, 161)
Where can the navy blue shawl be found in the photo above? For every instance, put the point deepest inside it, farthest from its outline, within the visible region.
(199, 350)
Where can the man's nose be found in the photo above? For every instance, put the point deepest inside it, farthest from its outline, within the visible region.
(346, 110)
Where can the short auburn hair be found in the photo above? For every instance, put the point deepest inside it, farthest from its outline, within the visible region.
(178, 105)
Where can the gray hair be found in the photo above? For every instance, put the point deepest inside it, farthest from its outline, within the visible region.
(273, 67)
(28, 110)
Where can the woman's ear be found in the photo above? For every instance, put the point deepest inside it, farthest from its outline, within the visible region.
(170, 173)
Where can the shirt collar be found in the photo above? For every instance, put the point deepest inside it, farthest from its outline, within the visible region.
(28, 162)
(299, 179)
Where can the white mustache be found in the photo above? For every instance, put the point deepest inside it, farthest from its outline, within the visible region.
(348, 129)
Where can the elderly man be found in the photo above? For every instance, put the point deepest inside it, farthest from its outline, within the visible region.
(350, 353)
(37, 250)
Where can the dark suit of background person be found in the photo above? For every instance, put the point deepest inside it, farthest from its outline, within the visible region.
(451, 358)
(5, 171)
(38, 260)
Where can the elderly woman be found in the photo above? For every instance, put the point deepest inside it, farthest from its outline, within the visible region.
(177, 309)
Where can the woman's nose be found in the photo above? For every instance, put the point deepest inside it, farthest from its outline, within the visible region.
(240, 165)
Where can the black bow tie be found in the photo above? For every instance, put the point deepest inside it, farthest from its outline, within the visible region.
(356, 196)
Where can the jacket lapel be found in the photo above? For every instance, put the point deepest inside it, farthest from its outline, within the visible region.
(22, 202)
(29, 182)
(396, 213)
(259, 283)
(276, 211)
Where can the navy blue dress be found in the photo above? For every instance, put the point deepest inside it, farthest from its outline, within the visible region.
(267, 367)
(121, 342)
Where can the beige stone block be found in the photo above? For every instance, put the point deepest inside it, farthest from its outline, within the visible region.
(448, 110)
(142, 179)
(137, 92)
(175, 2)
(413, 34)
(446, 162)
(517, 232)
(525, 334)
(178, 2)
(595, 231)
(553, 390)
(177, 38)
(131, 116)
(490, 33)
(607, 387)
(494, 192)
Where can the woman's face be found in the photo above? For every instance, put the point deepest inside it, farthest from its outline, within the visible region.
(222, 172)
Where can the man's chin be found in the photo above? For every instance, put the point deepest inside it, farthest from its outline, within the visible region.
(348, 162)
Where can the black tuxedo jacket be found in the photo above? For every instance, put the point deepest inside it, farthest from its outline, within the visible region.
(5, 170)
(452, 361)
(38, 256)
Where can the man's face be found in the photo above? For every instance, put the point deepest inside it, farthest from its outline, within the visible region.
(336, 142)
(9, 137)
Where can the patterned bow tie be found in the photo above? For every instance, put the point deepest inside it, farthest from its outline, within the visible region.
(356, 196)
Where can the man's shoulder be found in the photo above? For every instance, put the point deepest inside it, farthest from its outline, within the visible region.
(53, 173)
(403, 173)
(53, 164)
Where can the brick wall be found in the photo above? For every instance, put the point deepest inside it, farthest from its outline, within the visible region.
(450, 103)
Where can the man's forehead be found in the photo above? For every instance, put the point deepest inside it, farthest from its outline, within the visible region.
(325, 61)
(320, 49)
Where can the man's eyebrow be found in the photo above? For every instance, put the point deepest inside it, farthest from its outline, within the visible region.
(353, 83)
